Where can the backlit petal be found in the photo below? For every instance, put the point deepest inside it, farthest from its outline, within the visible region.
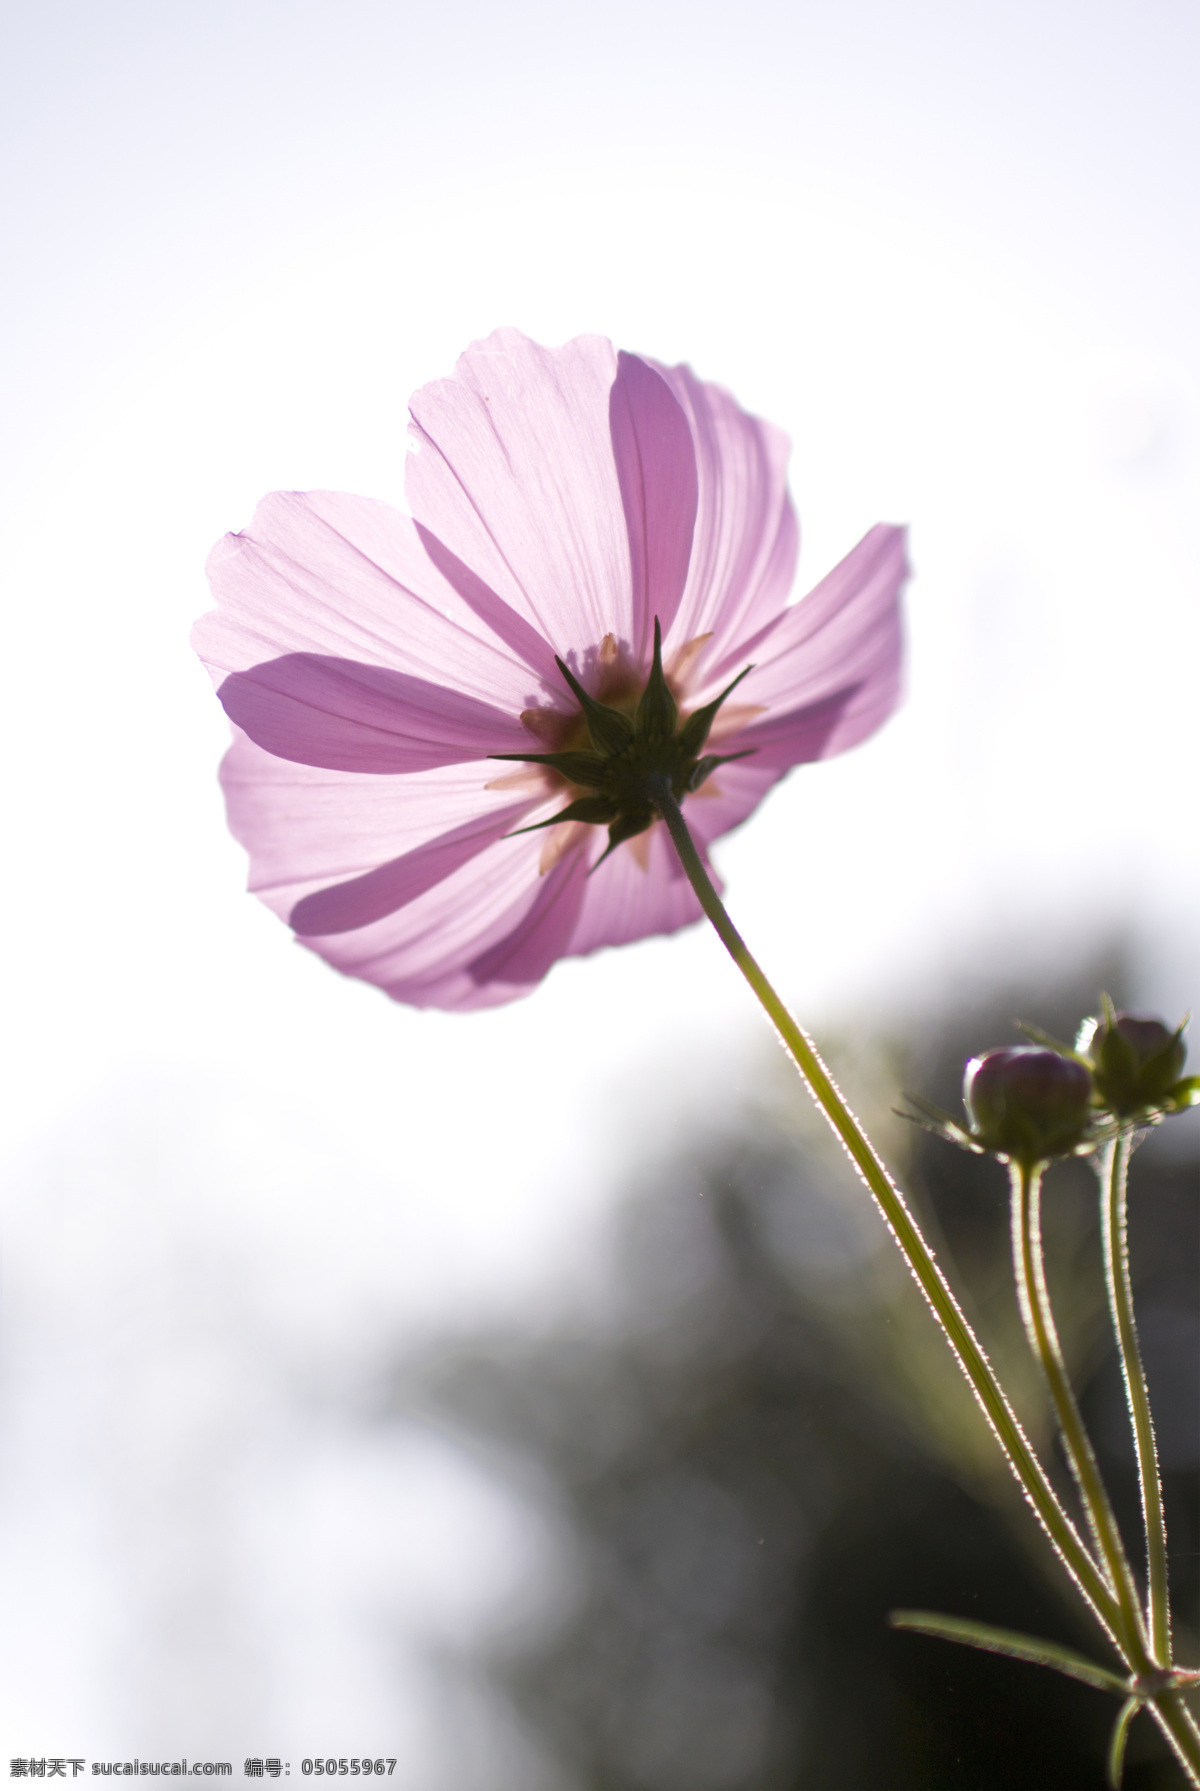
(329, 610)
(745, 539)
(310, 831)
(625, 899)
(828, 672)
(515, 475)
(656, 468)
(486, 935)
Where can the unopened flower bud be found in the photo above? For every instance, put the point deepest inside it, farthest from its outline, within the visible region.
(1028, 1103)
(1137, 1063)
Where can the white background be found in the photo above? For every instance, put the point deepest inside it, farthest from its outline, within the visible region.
(953, 249)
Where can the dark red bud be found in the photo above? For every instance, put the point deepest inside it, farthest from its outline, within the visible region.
(1028, 1102)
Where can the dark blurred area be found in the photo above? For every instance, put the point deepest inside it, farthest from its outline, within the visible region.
(761, 1445)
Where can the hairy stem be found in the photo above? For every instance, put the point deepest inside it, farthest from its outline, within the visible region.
(1179, 1726)
(1113, 1169)
(1029, 1270)
(1030, 1474)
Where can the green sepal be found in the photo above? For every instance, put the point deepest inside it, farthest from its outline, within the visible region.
(657, 710)
(1184, 1094)
(595, 810)
(695, 730)
(940, 1123)
(1040, 1037)
(625, 827)
(586, 768)
(628, 759)
(611, 731)
(705, 767)
(1014, 1645)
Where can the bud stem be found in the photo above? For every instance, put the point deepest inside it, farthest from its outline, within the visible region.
(1113, 1169)
(1034, 1299)
(1030, 1474)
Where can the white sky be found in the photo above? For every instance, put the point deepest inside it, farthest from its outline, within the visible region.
(954, 251)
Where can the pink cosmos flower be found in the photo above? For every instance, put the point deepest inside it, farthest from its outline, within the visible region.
(376, 666)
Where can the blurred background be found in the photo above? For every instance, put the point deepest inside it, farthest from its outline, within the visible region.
(555, 1417)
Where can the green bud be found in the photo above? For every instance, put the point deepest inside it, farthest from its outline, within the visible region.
(1137, 1063)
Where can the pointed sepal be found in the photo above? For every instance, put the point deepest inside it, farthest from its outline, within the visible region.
(657, 710)
(626, 827)
(706, 766)
(586, 768)
(611, 731)
(695, 730)
(597, 811)
(940, 1123)
(1038, 1036)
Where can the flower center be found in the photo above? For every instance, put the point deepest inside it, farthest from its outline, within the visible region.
(631, 759)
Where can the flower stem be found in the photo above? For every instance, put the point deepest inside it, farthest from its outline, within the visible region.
(1030, 1474)
(1034, 1299)
(1114, 1168)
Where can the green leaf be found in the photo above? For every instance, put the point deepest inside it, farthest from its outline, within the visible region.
(1120, 1735)
(1016, 1646)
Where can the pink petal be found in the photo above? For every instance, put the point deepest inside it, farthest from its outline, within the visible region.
(439, 908)
(542, 935)
(656, 468)
(346, 716)
(518, 476)
(311, 832)
(827, 672)
(388, 887)
(486, 935)
(745, 539)
(624, 900)
(729, 797)
(329, 611)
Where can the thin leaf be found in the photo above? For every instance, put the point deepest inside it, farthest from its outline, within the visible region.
(1120, 1735)
(1017, 1647)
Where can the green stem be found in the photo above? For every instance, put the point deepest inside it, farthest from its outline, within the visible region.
(999, 1414)
(1114, 1169)
(1029, 1271)
(1179, 1726)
